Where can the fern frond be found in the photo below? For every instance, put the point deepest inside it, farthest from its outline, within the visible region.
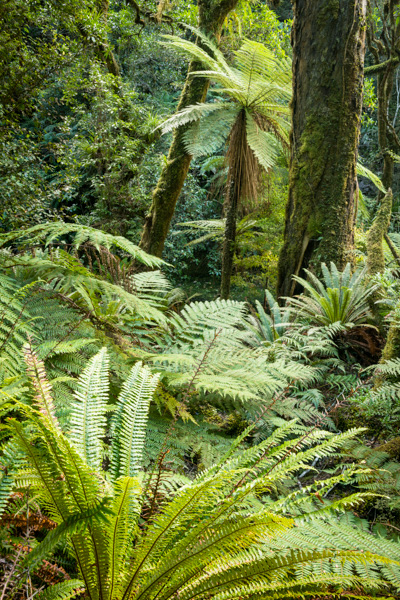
(210, 132)
(88, 419)
(62, 591)
(52, 233)
(130, 421)
(11, 460)
(73, 525)
(192, 114)
(43, 392)
(15, 325)
(262, 143)
(122, 529)
(368, 174)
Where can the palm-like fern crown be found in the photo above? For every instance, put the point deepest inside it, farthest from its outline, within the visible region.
(257, 89)
(340, 297)
(266, 328)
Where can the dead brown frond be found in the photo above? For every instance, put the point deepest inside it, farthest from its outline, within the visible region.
(43, 391)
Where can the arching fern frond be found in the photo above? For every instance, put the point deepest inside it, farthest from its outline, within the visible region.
(52, 233)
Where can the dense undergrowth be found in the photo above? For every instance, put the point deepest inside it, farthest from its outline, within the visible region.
(77, 322)
(156, 441)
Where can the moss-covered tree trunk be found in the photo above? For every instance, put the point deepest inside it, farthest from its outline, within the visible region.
(384, 43)
(384, 93)
(375, 252)
(376, 235)
(212, 14)
(328, 60)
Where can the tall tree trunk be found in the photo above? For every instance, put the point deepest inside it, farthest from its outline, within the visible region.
(383, 43)
(328, 60)
(384, 93)
(212, 14)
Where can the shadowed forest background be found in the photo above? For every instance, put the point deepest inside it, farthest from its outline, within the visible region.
(199, 299)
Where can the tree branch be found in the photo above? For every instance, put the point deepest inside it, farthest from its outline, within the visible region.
(395, 60)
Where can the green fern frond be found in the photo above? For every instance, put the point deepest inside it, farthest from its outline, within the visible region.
(263, 143)
(62, 591)
(368, 174)
(130, 421)
(52, 233)
(11, 460)
(122, 529)
(340, 298)
(193, 113)
(88, 415)
(210, 132)
(15, 325)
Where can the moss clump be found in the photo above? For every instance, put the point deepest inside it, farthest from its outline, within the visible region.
(392, 448)
(354, 415)
(392, 347)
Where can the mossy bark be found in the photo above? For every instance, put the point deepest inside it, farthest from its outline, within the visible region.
(390, 351)
(384, 93)
(375, 253)
(392, 346)
(376, 235)
(383, 44)
(392, 448)
(212, 14)
(328, 40)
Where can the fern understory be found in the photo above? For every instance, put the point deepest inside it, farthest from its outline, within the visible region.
(119, 406)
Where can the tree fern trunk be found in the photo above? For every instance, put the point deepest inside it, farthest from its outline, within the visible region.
(228, 249)
(212, 14)
(328, 61)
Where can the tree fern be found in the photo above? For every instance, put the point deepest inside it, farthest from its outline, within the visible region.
(253, 123)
